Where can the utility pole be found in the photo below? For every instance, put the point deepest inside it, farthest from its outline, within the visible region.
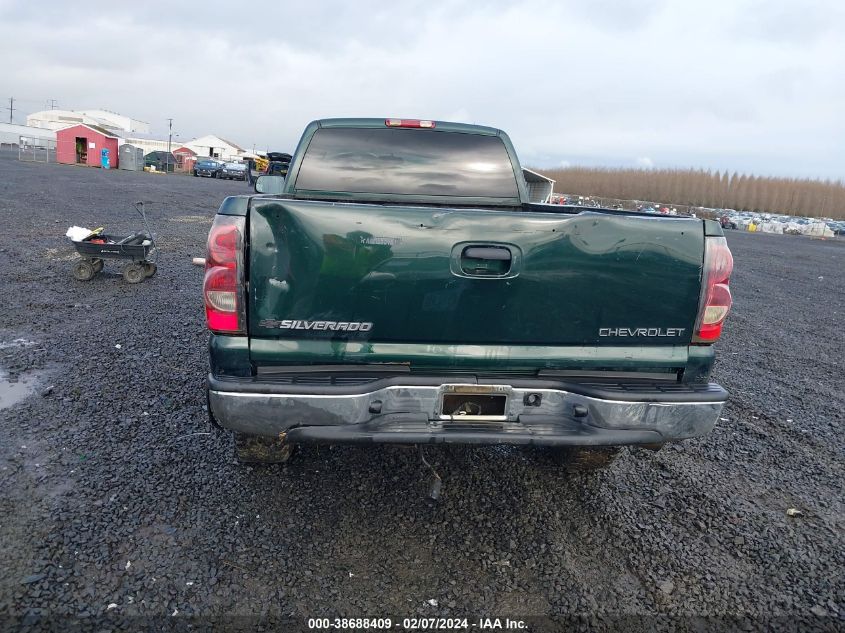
(11, 108)
(52, 104)
(169, 140)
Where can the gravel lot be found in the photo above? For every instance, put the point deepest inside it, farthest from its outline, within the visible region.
(117, 492)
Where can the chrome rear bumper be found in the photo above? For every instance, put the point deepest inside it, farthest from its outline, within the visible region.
(412, 413)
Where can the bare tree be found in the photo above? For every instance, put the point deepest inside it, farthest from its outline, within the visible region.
(812, 198)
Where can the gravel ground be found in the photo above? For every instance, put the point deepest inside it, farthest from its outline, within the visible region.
(117, 492)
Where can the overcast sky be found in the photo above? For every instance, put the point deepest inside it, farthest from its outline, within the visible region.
(755, 86)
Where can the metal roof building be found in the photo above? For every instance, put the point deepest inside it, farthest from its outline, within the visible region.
(111, 121)
(148, 142)
(11, 133)
(211, 146)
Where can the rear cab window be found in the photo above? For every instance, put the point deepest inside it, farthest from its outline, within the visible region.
(409, 162)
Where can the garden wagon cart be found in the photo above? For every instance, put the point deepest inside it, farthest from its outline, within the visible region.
(139, 249)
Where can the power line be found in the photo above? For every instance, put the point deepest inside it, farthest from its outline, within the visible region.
(26, 100)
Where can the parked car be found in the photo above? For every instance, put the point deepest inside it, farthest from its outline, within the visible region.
(208, 168)
(233, 171)
(371, 301)
(838, 228)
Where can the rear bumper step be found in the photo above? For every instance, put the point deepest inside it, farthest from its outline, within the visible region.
(561, 432)
(408, 409)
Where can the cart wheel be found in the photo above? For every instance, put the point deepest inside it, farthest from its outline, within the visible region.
(134, 273)
(98, 265)
(83, 270)
(150, 269)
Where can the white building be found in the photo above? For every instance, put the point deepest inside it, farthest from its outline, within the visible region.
(149, 142)
(112, 121)
(211, 146)
(118, 121)
(135, 132)
(11, 134)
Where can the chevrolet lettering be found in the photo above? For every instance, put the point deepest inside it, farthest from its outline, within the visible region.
(429, 298)
(642, 331)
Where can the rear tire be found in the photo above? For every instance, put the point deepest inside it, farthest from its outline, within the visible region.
(98, 265)
(150, 269)
(585, 459)
(134, 273)
(83, 270)
(259, 449)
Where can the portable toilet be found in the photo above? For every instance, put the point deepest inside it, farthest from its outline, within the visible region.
(131, 157)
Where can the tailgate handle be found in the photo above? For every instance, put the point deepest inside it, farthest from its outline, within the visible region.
(496, 253)
(486, 261)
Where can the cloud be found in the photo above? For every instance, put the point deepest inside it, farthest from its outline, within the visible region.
(721, 85)
(645, 162)
(459, 116)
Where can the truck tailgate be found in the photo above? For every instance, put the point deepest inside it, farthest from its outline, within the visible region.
(413, 274)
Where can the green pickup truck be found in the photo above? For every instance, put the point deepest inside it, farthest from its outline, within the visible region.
(398, 287)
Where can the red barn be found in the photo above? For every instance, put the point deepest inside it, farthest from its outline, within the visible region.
(185, 158)
(82, 145)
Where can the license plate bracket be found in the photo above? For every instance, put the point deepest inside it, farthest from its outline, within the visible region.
(473, 402)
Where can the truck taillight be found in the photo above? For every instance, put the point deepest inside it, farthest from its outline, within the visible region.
(715, 294)
(223, 287)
